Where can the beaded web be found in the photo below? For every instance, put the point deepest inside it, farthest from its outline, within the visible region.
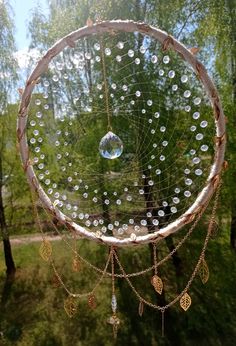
(119, 135)
(122, 137)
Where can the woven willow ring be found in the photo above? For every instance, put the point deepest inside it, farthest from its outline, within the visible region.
(91, 72)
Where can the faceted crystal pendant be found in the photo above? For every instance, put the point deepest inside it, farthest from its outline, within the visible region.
(110, 146)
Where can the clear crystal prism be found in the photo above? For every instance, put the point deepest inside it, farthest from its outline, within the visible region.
(110, 146)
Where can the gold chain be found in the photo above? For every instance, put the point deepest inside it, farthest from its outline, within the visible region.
(109, 127)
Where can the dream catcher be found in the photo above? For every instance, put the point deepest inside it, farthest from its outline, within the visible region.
(115, 130)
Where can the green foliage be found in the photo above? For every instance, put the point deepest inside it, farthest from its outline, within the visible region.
(39, 317)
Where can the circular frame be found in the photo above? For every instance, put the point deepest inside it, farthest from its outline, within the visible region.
(167, 42)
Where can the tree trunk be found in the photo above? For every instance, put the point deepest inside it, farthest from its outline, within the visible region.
(10, 265)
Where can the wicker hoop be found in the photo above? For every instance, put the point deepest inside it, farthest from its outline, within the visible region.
(167, 42)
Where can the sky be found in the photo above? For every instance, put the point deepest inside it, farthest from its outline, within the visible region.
(21, 10)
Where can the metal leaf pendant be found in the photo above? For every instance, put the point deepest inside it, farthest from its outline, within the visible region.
(185, 301)
(45, 250)
(203, 271)
(157, 283)
(70, 306)
(92, 301)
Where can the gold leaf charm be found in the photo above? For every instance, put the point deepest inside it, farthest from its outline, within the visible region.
(55, 281)
(185, 301)
(45, 250)
(70, 306)
(140, 308)
(157, 283)
(204, 271)
(75, 264)
(92, 301)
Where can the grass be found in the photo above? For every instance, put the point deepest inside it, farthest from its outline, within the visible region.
(33, 314)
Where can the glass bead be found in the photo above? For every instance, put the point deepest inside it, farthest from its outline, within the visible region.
(196, 115)
(107, 51)
(158, 172)
(41, 166)
(174, 87)
(97, 58)
(142, 49)
(161, 72)
(149, 102)
(120, 45)
(196, 160)
(107, 201)
(162, 158)
(187, 93)
(131, 221)
(97, 46)
(157, 115)
(204, 147)
(162, 128)
(161, 212)
(204, 124)
(32, 140)
(173, 210)
(39, 115)
(188, 182)
(164, 143)
(141, 191)
(143, 222)
(118, 58)
(187, 108)
(85, 195)
(177, 190)
(138, 93)
(130, 53)
(171, 74)
(187, 171)
(118, 202)
(184, 78)
(38, 102)
(176, 200)
(198, 171)
(166, 59)
(197, 101)
(193, 128)
(187, 193)
(124, 87)
(87, 56)
(153, 131)
(155, 222)
(154, 59)
(55, 78)
(199, 136)
(137, 61)
(149, 214)
(88, 223)
(32, 123)
(150, 182)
